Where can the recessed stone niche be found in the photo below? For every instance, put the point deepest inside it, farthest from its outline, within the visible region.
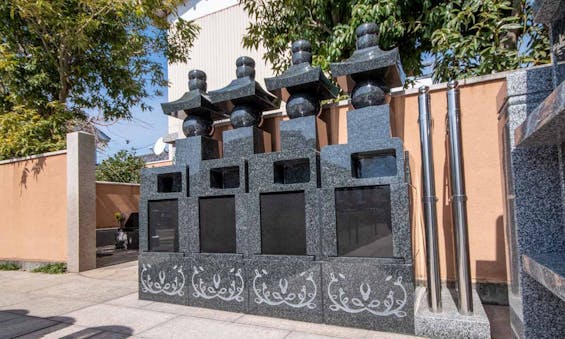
(163, 225)
(283, 223)
(169, 182)
(373, 164)
(363, 219)
(291, 171)
(217, 224)
(224, 177)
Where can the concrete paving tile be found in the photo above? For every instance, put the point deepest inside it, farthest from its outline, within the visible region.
(194, 311)
(117, 319)
(62, 330)
(130, 300)
(5, 316)
(302, 335)
(23, 325)
(47, 306)
(10, 298)
(89, 290)
(313, 328)
(388, 335)
(32, 283)
(199, 328)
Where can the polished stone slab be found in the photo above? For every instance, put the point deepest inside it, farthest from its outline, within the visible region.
(243, 142)
(376, 294)
(163, 277)
(285, 287)
(154, 184)
(546, 124)
(449, 323)
(547, 269)
(217, 281)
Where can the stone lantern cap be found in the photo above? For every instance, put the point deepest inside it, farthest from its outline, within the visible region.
(302, 77)
(244, 91)
(195, 102)
(369, 61)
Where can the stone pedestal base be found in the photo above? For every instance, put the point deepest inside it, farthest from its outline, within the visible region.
(450, 323)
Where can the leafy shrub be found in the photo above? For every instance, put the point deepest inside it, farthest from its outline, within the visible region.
(9, 267)
(56, 268)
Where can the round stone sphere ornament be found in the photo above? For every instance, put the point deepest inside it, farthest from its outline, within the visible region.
(367, 93)
(302, 105)
(195, 125)
(245, 116)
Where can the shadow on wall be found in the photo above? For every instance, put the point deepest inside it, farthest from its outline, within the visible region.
(33, 167)
(16, 323)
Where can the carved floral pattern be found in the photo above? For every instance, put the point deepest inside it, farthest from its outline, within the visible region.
(162, 284)
(215, 289)
(304, 298)
(391, 305)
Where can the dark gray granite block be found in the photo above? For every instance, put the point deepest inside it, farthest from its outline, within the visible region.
(343, 165)
(544, 312)
(225, 176)
(299, 134)
(217, 281)
(449, 323)
(546, 124)
(163, 182)
(144, 221)
(192, 150)
(283, 171)
(548, 270)
(163, 277)
(285, 287)
(189, 241)
(368, 123)
(375, 294)
(242, 142)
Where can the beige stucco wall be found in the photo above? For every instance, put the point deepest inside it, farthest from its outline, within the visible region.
(33, 208)
(114, 197)
(482, 175)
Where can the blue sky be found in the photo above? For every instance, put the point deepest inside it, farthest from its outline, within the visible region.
(141, 132)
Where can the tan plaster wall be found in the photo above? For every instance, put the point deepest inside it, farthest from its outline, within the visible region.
(482, 175)
(33, 209)
(112, 198)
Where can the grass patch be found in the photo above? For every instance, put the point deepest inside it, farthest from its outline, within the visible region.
(9, 267)
(57, 268)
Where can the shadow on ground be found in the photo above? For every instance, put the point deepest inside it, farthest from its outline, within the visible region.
(15, 323)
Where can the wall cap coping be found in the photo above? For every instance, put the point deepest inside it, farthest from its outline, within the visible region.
(116, 183)
(31, 157)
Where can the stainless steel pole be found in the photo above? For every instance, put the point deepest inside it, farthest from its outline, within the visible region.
(458, 200)
(429, 200)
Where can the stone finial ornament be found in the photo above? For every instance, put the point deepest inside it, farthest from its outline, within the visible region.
(244, 99)
(370, 72)
(194, 107)
(302, 86)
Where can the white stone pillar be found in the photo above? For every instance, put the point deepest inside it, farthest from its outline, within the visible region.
(81, 202)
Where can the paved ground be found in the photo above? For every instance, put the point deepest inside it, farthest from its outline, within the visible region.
(103, 303)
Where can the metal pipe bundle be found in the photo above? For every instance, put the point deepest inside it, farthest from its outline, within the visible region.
(429, 201)
(458, 200)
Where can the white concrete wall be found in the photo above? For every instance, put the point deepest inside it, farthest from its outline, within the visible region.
(218, 45)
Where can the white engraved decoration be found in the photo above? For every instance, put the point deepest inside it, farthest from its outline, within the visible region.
(303, 298)
(216, 289)
(171, 286)
(391, 305)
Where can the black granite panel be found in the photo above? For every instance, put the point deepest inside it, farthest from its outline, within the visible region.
(224, 177)
(163, 225)
(217, 225)
(363, 219)
(169, 182)
(283, 223)
(292, 171)
(373, 164)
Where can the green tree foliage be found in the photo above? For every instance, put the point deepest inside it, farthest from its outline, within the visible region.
(73, 57)
(123, 166)
(464, 37)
